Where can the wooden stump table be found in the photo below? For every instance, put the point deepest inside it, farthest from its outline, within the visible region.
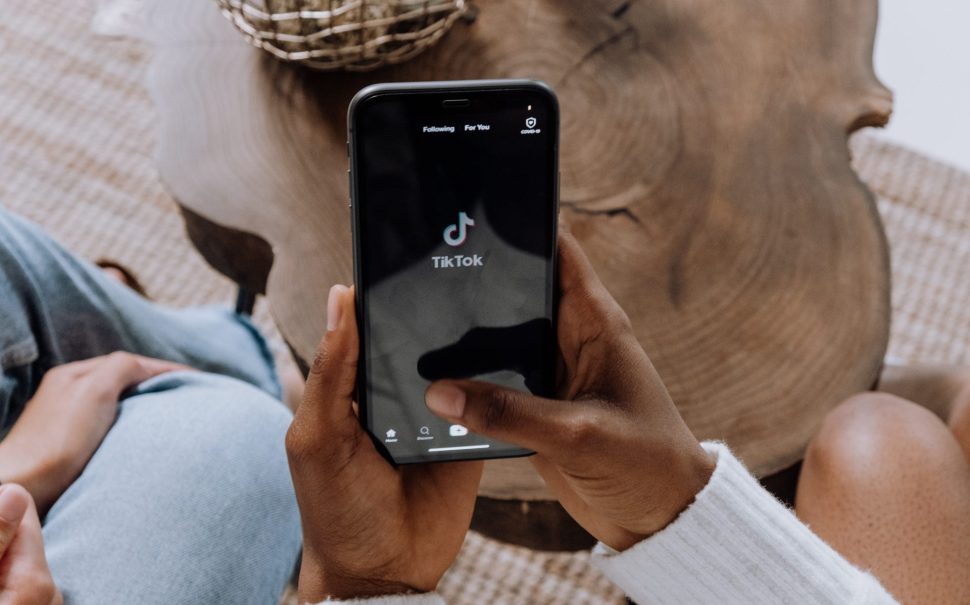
(704, 170)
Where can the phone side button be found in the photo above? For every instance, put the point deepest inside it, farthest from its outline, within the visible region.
(350, 199)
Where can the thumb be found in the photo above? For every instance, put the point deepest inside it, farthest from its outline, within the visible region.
(331, 385)
(14, 501)
(505, 414)
(24, 561)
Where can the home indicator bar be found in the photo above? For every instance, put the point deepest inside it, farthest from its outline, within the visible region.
(461, 447)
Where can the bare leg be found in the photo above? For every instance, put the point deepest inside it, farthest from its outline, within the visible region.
(943, 389)
(886, 483)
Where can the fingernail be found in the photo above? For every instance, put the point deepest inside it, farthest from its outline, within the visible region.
(12, 505)
(445, 400)
(333, 307)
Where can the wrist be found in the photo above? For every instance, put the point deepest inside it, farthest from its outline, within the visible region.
(695, 470)
(319, 582)
(29, 474)
(13, 468)
(691, 468)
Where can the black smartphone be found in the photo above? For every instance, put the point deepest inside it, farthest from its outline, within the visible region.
(454, 191)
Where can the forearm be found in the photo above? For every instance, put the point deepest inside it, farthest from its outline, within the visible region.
(737, 544)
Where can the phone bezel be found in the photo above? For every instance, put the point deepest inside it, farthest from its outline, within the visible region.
(440, 90)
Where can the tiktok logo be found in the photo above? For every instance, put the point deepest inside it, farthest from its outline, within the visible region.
(456, 234)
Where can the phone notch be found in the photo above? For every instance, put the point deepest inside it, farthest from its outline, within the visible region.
(456, 103)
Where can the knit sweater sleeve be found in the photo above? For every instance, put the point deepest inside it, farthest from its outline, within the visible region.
(737, 544)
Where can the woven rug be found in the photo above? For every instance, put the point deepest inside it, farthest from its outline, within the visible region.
(76, 138)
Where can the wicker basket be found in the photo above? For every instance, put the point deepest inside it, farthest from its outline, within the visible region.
(356, 35)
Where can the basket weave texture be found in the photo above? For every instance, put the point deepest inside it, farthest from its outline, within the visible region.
(353, 35)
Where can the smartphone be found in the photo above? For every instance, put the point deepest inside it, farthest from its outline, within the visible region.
(454, 203)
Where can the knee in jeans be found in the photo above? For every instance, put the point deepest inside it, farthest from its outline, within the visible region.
(871, 432)
(215, 428)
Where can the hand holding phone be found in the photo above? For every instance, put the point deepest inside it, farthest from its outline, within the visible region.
(614, 449)
(369, 528)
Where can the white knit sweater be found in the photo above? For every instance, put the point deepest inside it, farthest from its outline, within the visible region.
(735, 545)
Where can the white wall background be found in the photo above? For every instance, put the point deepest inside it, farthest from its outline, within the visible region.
(923, 55)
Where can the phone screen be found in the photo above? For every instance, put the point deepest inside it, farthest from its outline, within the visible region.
(455, 199)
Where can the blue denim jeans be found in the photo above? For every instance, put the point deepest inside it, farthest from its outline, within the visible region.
(188, 499)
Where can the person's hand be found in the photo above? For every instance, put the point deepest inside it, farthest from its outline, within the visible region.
(66, 420)
(368, 528)
(24, 576)
(614, 451)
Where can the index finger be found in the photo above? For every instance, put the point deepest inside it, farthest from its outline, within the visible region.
(585, 304)
(76, 369)
(576, 273)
